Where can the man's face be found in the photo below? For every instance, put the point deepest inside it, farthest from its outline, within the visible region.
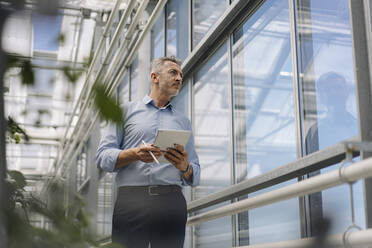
(169, 78)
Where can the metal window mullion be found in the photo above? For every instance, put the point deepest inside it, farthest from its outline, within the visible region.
(234, 221)
(191, 21)
(165, 26)
(189, 29)
(360, 30)
(297, 98)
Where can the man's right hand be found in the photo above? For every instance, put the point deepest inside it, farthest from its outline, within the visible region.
(143, 153)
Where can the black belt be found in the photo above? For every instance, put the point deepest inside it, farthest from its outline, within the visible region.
(151, 189)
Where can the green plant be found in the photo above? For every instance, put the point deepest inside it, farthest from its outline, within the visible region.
(15, 132)
(69, 225)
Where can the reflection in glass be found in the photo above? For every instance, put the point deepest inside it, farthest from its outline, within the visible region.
(328, 88)
(205, 14)
(177, 28)
(211, 122)
(157, 37)
(264, 117)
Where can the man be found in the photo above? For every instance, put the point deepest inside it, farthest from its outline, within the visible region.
(150, 207)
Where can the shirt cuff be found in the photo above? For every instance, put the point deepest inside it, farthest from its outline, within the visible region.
(194, 180)
(109, 160)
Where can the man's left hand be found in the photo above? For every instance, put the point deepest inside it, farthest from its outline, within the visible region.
(177, 156)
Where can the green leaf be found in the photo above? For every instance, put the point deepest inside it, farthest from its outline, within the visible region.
(27, 74)
(61, 39)
(18, 177)
(108, 108)
(15, 130)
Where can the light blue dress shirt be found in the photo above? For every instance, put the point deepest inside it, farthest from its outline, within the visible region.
(142, 121)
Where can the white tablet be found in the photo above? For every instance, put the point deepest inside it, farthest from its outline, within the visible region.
(167, 138)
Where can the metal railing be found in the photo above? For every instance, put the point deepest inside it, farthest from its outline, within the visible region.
(342, 175)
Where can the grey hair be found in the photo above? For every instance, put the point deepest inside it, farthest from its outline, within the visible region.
(157, 64)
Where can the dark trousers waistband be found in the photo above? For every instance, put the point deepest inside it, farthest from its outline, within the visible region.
(150, 189)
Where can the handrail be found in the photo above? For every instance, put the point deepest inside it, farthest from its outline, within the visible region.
(356, 238)
(357, 170)
(299, 167)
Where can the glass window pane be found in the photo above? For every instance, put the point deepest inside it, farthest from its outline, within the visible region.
(181, 101)
(328, 88)
(212, 141)
(46, 31)
(264, 116)
(205, 14)
(157, 37)
(177, 28)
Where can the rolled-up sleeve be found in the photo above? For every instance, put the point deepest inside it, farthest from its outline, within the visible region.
(194, 162)
(109, 147)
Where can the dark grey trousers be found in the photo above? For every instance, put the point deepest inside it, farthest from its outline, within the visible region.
(156, 216)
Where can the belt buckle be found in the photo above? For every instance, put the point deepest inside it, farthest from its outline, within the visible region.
(152, 187)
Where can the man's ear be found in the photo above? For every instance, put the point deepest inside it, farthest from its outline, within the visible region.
(154, 77)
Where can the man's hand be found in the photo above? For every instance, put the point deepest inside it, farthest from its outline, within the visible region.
(177, 156)
(143, 153)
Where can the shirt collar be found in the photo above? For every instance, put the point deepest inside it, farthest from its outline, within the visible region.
(148, 100)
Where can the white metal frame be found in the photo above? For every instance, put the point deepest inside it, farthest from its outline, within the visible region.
(86, 123)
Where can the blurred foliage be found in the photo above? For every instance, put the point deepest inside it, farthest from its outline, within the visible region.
(26, 73)
(61, 39)
(15, 132)
(69, 222)
(107, 106)
(72, 75)
(69, 225)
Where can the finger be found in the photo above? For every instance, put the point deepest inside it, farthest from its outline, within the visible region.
(179, 148)
(152, 149)
(171, 159)
(175, 153)
(170, 156)
(157, 154)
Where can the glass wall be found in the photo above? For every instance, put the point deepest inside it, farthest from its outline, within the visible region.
(157, 37)
(212, 140)
(205, 14)
(264, 121)
(263, 116)
(329, 106)
(177, 28)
